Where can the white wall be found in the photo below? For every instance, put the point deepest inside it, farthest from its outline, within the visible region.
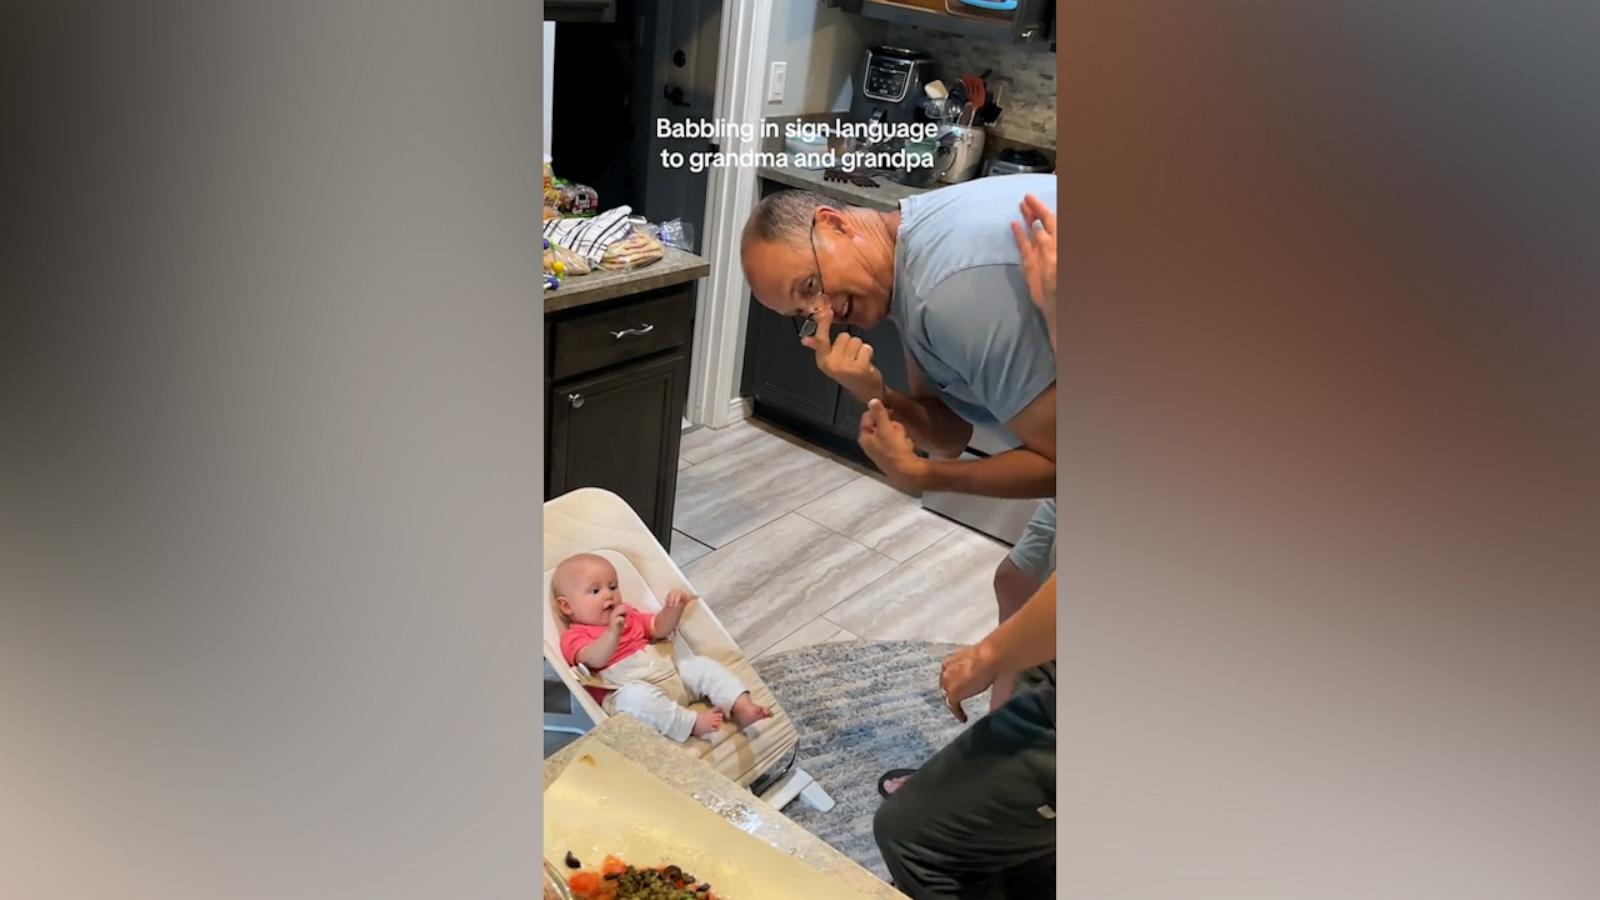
(824, 49)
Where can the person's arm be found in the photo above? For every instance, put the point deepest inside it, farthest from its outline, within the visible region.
(1028, 471)
(597, 654)
(933, 426)
(1036, 245)
(1028, 638)
(666, 621)
(1021, 642)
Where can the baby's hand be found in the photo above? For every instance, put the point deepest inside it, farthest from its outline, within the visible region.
(618, 619)
(677, 600)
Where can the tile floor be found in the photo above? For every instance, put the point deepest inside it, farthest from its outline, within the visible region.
(793, 546)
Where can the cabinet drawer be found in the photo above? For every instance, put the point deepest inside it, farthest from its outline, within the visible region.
(589, 341)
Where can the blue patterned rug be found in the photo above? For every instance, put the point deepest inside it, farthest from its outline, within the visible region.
(862, 708)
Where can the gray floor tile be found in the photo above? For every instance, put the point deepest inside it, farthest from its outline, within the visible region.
(769, 584)
(945, 593)
(686, 549)
(817, 631)
(704, 443)
(751, 485)
(873, 513)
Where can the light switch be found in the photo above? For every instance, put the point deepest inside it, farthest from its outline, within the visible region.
(776, 80)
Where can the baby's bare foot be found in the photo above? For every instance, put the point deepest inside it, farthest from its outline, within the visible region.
(746, 712)
(707, 722)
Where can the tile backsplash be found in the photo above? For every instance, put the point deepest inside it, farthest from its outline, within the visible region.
(1030, 98)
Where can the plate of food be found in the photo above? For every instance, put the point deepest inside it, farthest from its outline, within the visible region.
(616, 832)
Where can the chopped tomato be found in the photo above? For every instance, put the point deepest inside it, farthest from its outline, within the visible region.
(613, 866)
(584, 882)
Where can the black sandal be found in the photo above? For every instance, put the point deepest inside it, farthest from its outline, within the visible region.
(892, 773)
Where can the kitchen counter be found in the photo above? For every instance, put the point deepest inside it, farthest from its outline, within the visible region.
(675, 267)
(689, 774)
(885, 197)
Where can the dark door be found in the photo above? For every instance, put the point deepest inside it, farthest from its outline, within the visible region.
(681, 45)
(619, 431)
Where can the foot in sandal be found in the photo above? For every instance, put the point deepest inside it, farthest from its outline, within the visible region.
(746, 712)
(707, 722)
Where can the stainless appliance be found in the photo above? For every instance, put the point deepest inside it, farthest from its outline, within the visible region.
(1003, 520)
(1017, 162)
(890, 86)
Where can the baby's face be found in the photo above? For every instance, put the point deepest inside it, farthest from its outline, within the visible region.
(588, 591)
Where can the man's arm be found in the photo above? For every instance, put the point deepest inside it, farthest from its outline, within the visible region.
(932, 425)
(1021, 642)
(1028, 471)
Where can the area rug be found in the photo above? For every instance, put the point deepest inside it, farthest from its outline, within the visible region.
(862, 708)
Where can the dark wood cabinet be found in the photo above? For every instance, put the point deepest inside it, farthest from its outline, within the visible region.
(781, 376)
(781, 372)
(620, 431)
(617, 377)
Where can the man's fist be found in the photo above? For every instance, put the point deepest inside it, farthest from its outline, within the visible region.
(846, 359)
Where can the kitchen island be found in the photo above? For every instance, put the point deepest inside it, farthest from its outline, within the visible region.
(617, 350)
(692, 776)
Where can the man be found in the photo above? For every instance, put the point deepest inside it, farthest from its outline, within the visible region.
(945, 270)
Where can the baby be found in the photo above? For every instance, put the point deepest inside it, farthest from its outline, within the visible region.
(631, 650)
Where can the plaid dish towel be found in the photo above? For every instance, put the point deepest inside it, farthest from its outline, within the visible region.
(589, 237)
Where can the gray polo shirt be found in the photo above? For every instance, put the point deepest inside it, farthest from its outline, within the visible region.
(960, 303)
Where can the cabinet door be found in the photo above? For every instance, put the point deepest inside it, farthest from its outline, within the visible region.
(888, 355)
(781, 372)
(620, 431)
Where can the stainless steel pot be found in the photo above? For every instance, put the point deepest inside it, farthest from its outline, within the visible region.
(937, 156)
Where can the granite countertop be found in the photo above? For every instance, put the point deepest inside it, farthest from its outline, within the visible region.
(688, 773)
(885, 197)
(674, 267)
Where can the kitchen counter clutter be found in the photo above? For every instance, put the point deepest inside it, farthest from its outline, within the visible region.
(675, 267)
(693, 778)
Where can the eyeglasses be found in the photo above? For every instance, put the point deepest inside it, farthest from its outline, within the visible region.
(805, 325)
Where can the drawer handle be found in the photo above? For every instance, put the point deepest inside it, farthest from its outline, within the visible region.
(576, 400)
(633, 332)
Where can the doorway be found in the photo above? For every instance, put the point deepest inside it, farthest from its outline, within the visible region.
(614, 81)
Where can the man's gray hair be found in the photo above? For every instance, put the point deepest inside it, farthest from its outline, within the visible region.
(784, 217)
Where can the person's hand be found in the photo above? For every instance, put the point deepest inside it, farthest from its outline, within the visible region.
(846, 359)
(676, 601)
(886, 443)
(1036, 243)
(966, 673)
(618, 619)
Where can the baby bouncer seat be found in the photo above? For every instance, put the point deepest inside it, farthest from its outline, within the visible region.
(591, 520)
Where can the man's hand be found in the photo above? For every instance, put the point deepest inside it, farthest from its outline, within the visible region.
(846, 359)
(1036, 243)
(966, 673)
(886, 443)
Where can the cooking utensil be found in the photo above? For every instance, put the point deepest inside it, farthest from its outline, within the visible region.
(926, 161)
(966, 143)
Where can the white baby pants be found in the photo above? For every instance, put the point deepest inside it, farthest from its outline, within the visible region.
(653, 688)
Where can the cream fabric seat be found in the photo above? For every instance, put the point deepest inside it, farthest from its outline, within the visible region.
(590, 520)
